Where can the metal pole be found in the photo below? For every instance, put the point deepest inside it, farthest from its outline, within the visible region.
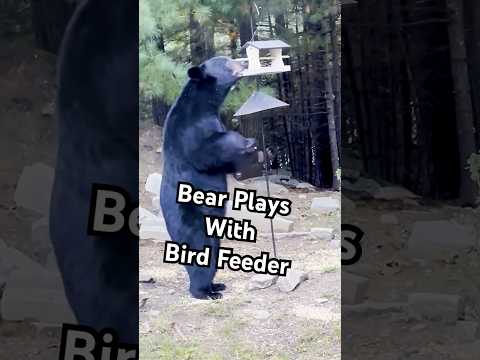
(267, 170)
(265, 159)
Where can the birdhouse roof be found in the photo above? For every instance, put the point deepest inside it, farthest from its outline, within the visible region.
(258, 102)
(267, 44)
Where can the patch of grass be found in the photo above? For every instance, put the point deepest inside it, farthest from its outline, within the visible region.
(318, 340)
(161, 348)
(242, 352)
(231, 327)
(278, 357)
(330, 268)
(217, 309)
(222, 308)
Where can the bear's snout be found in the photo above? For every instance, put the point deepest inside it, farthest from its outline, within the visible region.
(237, 67)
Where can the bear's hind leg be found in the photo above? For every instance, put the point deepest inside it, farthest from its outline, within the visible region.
(201, 283)
(218, 287)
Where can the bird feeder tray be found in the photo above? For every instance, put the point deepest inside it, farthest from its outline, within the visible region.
(259, 102)
(265, 57)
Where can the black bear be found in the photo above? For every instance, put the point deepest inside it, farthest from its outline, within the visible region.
(199, 150)
(97, 111)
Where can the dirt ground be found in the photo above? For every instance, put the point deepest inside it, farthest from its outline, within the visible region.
(244, 325)
(394, 273)
(27, 136)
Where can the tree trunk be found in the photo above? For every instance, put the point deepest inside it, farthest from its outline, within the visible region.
(201, 40)
(50, 19)
(336, 76)
(463, 100)
(472, 14)
(246, 23)
(280, 26)
(332, 132)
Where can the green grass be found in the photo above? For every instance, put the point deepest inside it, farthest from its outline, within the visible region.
(330, 268)
(161, 348)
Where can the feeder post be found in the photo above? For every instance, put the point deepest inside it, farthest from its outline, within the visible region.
(266, 161)
(253, 55)
(277, 60)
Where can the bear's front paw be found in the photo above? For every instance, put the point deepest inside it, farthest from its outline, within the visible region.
(250, 145)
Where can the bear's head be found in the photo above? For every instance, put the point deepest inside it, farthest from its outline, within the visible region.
(217, 76)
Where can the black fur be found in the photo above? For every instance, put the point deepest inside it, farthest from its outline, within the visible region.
(199, 150)
(97, 109)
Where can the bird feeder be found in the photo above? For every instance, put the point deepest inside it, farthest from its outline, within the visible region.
(259, 102)
(260, 63)
(265, 57)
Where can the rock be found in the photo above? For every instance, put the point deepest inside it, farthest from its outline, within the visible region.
(351, 158)
(324, 204)
(48, 109)
(315, 313)
(261, 223)
(154, 181)
(291, 182)
(41, 233)
(362, 185)
(37, 296)
(326, 234)
(410, 202)
(51, 263)
(34, 188)
(393, 193)
(159, 150)
(466, 331)
(354, 288)
(291, 280)
(156, 203)
(284, 180)
(152, 226)
(261, 187)
(389, 219)
(259, 314)
(335, 244)
(46, 329)
(439, 239)
(351, 174)
(418, 327)
(12, 260)
(154, 232)
(145, 217)
(435, 307)
(304, 185)
(374, 308)
(261, 281)
(233, 183)
(347, 204)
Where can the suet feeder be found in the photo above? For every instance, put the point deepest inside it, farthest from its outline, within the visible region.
(265, 57)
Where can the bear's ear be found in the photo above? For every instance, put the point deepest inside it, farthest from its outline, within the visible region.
(196, 73)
